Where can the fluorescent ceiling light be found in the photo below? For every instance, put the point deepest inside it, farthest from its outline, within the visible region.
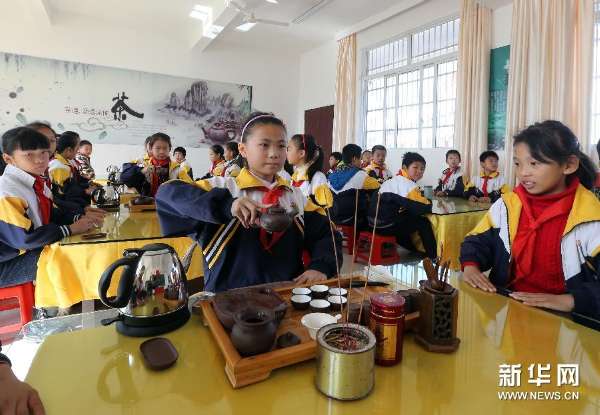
(213, 31)
(272, 1)
(244, 27)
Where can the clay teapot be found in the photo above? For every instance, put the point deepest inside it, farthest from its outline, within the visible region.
(276, 219)
(253, 331)
(143, 200)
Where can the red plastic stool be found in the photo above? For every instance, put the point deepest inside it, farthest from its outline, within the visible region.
(347, 237)
(385, 249)
(24, 294)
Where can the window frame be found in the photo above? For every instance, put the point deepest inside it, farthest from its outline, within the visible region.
(409, 67)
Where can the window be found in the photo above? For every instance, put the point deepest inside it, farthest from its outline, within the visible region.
(410, 89)
(596, 84)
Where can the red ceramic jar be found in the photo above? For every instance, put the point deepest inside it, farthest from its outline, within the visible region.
(386, 321)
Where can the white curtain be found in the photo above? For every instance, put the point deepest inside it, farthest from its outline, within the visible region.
(345, 94)
(473, 83)
(550, 74)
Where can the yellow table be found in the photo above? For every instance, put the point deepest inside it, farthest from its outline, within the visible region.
(451, 219)
(69, 271)
(98, 371)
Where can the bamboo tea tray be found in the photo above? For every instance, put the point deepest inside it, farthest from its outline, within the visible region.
(243, 371)
(141, 208)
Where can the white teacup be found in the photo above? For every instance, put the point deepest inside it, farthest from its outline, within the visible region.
(314, 321)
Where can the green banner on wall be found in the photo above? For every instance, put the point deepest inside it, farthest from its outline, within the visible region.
(498, 97)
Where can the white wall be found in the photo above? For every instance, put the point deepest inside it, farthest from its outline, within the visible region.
(274, 77)
(317, 80)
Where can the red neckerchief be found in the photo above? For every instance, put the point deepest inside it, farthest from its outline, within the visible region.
(485, 184)
(270, 197)
(449, 172)
(158, 179)
(524, 247)
(44, 202)
(297, 183)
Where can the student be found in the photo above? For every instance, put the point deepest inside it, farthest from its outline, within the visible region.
(145, 159)
(28, 219)
(66, 183)
(347, 183)
(490, 184)
(287, 171)
(16, 397)
(157, 170)
(376, 168)
(47, 130)
(334, 159)
(233, 159)
(83, 162)
(223, 213)
(179, 155)
(307, 158)
(539, 239)
(402, 205)
(451, 182)
(365, 158)
(216, 155)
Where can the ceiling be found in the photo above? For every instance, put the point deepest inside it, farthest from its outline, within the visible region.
(171, 17)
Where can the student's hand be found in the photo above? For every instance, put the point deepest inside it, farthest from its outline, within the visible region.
(247, 211)
(473, 198)
(97, 215)
(17, 397)
(476, 279)
(484, 200)
(310, 276)
(84, 224)
(558, 302)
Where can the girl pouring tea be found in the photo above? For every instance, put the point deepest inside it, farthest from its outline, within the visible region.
(224, 215)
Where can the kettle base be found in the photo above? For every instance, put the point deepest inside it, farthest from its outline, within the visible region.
(152, 326)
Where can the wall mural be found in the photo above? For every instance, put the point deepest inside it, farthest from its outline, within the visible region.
(119, 106)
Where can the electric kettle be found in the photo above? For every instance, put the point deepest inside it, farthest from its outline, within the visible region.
(151, 294)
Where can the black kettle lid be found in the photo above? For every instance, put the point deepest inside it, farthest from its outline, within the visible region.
(157, 247)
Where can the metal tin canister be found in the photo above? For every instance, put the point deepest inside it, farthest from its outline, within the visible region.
(343, 374)
(386, 321)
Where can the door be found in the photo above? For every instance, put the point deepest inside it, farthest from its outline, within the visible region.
(318, 122)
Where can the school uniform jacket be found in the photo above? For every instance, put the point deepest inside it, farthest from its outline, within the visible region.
(454, 185)
(496, 186)
(21, 226)
(234, 256)
(398, 196)
(132, 175)
(489, 245)
(66, 186)
(317, 189)
(379, 173)
(345, 183)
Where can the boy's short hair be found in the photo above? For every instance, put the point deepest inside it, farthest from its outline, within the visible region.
(378, 147)
(180, 150)
(336, 155)
(84, 143)
(453, 152)
(486, 154)
(23, 138)
(38, 125)
(68, 139)
(350, 152)
(411, 157)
